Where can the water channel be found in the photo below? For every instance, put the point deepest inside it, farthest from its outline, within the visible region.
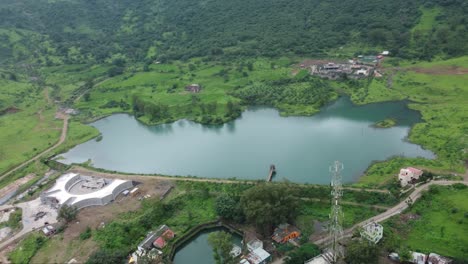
(302, 148)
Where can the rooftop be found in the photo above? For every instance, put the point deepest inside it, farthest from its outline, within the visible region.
(77, 190)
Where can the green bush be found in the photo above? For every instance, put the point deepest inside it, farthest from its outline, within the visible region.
(86, 234)
(27, 248)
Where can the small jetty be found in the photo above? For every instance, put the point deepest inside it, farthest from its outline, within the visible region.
(271, 173)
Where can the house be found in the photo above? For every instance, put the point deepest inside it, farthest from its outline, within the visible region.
(437, 259)
(372, 232)
(258, 256)
(152, 254)
(320, 259)
(194, 88)
(254, 244)
(362, 72)
(163, 234)
(146, 244)
(285, 232)
(409, 175)
(418, 258)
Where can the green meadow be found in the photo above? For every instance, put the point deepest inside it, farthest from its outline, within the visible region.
(441, 224)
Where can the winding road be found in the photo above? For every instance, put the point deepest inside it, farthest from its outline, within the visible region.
(416, 194)
(61, 140)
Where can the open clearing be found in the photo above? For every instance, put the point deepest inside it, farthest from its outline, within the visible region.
(442, 70)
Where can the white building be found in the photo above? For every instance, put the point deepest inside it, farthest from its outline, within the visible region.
(259, 256)
(82, 191)
(372, 232)
(254, 244)
(320, 259)
(418, 258)
(438, 259)
(408, 175)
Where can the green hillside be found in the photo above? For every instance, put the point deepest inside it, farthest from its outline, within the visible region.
(79, 31)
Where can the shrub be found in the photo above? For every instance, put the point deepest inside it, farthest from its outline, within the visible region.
(86, 234)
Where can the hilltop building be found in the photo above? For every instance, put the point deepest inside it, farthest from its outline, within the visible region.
(409, 175)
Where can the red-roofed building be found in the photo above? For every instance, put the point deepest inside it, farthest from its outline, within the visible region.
(163, 234)
(159, 242)
(409, 175)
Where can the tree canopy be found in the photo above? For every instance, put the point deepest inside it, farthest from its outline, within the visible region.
(267, 205)
(77, 31)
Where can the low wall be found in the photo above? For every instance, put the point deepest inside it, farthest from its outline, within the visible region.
(195, 231)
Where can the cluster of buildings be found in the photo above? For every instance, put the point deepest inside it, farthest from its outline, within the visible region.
(153, 243)
(284, 233)
(256, 253)
(420, 258)
(360, 67)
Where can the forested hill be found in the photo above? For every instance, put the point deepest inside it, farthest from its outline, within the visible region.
(77, 31)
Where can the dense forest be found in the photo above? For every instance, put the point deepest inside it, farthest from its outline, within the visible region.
(96, 31)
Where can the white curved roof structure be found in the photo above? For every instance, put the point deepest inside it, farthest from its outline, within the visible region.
(82, 191)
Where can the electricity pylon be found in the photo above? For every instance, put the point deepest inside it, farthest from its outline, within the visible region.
(336, 215)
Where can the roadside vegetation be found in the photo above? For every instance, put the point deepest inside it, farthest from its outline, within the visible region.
(26, 249)
(436, 223)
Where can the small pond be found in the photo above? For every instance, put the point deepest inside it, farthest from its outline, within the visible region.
(198, 249)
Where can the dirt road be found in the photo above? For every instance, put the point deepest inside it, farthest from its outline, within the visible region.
(397, 209)
(61, 140)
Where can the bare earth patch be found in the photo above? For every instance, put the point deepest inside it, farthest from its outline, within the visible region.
(442, 70)
(68, 245)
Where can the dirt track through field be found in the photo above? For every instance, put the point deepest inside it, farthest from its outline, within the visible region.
(442, 70)
(61, 140)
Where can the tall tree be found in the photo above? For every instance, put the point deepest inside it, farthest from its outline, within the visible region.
(221, 242)
(362, 252)
(267, 205)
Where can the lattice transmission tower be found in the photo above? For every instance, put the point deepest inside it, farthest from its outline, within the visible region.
(336, 215)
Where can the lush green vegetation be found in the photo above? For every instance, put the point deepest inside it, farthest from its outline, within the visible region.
(79, 31)
(440, 95)
(27, 248)
(440, 225)
(14, 220)
(361, 251)
(303, 253)
(221, 242)
(194, 203)
(386, 123)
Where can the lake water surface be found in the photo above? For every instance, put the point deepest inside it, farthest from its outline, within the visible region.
(302, 148)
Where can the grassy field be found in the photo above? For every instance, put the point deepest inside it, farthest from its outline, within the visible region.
(27, 248)
(440, 94)
(29, 130)
(442, 226)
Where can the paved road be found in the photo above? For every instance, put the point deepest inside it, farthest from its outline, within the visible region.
(390, 212)
(61, 140)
